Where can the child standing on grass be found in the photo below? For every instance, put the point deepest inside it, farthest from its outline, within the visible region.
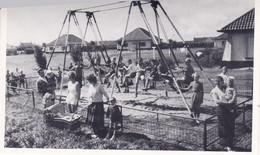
(197, 96)
(115, 116)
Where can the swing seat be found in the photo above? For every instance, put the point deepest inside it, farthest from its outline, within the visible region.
(55, 116)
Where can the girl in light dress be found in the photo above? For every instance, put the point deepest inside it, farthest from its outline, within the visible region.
(73, 92)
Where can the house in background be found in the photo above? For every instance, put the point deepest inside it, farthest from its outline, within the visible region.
(139, 37)
(110, 44)
(220, 41)
(239, 47)
(203, 40)
(60, 46)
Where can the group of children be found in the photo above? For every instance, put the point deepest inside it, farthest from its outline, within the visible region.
(15, 78)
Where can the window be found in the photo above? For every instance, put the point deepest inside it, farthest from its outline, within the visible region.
(142, 43)
(63, 48)
(51, 48)
(223, 43)
(125, 44)
(250, 47)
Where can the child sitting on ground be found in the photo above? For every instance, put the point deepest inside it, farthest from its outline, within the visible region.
(115, 117)
(197, 96)
(48, 99)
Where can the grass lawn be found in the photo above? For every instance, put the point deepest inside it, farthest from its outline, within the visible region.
(25, 128)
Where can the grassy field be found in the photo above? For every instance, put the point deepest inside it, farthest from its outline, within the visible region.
(23, 131)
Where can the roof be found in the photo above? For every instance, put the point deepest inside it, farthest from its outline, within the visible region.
(26, 44)
(223, 36)
(204, 39)
(138, 34)
(245, 22)
(110, 43)
(72, 39)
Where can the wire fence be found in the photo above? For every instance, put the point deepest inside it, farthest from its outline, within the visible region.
(157, 125)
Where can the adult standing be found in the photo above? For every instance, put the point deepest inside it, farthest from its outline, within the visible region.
(41, 83)
(224, 112)
(95, 117)
(78, 68)
(73, 92)
(223, 74)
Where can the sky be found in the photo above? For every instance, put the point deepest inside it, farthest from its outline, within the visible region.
(193, 18)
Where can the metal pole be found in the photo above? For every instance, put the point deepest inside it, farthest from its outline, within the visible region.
(205, 136)
(167, 39)
(85, 33)
(94, 32)
(33, 99)
(102, 42)
(186, 45)
(162, 55)
(244, 115)
(57, 40)
(66, 49)
(121, 48)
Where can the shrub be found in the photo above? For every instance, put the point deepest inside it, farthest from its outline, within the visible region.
(211, 57)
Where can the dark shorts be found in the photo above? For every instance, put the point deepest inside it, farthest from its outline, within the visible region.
(132, 75)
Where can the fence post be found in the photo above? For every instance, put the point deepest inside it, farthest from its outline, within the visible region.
(205, 136)
(122, 119)
(244, 115)
(33, 100)
(8, 95)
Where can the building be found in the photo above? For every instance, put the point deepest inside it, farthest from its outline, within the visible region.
(203, 40)
(239, 47)
(60, 46)
(139, 37)
(110, 44)
(220, 41)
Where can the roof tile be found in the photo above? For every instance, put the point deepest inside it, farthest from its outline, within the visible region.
(245, 22)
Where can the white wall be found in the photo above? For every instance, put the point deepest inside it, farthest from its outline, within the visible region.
(242, 46)
(132, 46)
(58, 49)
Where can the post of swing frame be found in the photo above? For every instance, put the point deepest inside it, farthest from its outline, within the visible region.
(64, 63)
(102, 42)
(165, 35)
(121, 49)
(55, 44)
(186, 45)
(162, 55)
(92, 27)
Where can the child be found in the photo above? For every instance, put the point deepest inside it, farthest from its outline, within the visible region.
(59, 77)
(21, 79)
(153, 75)
(13, 82)
(48, 100)
(140, 75)
(111, 71)
(131, 72)
(230, 94)
(197, 96)
(115, 116)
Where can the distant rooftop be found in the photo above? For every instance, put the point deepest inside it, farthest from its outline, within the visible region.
(72, 39)
(245, 22)
(138, 34)
(223, 36)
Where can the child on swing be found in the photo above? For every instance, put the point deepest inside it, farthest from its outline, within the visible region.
(197, 96)
(115, 116)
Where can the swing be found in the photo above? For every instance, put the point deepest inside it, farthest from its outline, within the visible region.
(154, 5)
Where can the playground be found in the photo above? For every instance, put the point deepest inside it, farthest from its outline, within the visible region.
(161, 114)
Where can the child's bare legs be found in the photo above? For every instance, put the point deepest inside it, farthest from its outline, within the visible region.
(125, 77)
(136, 85)
(114, 125)
(147, 82)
